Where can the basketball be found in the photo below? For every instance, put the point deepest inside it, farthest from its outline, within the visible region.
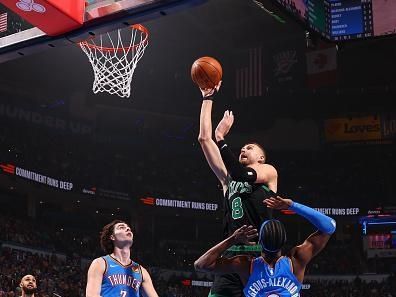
(206, 72)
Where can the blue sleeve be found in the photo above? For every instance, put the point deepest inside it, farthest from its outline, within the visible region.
(324, 223)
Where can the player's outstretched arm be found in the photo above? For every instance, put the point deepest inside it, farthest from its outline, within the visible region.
(318, 240)
(212, 261)
(303, 253)
(209, 147)
(147, 285)
(95, 276)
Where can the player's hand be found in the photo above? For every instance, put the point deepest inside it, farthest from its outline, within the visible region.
(224, 125)
(245, 234)
(278, 203)
(207, 92)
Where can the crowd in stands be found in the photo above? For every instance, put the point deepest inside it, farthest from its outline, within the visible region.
(55, 275)
(32, 234)
(348, 258)
(60, 263)
(67, 277)
(357, 288)
(339, 257)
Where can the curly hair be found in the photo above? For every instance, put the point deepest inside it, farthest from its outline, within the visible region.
(106, 243)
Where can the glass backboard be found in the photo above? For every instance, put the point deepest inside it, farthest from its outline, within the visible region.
(19, 38)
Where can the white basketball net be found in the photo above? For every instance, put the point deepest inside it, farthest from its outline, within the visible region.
(114, 65)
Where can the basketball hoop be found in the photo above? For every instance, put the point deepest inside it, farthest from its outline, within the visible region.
(113, 62)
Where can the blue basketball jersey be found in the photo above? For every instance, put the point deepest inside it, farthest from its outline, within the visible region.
(279, 281)
(119, 280)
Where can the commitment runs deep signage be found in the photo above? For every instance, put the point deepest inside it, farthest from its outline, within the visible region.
(160, 202)
(331, 211)
(36, 177)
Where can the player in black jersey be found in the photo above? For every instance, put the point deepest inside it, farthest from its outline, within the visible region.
(246, 182)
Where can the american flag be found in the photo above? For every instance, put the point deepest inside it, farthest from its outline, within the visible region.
(3, 22)
(249, 78)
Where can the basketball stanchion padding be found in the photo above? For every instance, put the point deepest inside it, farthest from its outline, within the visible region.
(114, 60)
(54, 17)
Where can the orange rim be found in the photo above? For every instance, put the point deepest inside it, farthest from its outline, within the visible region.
(139, 27)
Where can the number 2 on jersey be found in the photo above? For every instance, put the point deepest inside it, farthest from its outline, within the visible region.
(123, 293)
(237, 210)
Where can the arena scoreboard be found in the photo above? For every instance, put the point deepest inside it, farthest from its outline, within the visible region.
(345, 19)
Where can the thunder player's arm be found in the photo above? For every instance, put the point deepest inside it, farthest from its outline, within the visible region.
(302, 254)
(147, 285)
(95, 276)
(212, 261)
(209, 147)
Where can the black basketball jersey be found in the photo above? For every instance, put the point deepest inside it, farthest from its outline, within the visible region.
(243, 205)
